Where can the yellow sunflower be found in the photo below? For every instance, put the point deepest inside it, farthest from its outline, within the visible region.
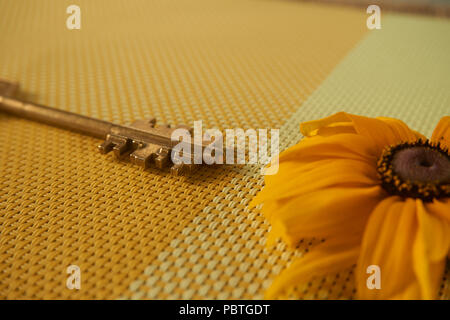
(377, 191)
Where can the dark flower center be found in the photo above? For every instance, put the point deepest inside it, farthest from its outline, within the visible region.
(417, 170)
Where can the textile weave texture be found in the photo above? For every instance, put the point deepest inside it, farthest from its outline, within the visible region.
(144, 234)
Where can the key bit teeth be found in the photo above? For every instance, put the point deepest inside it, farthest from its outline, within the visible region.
(143, 156)
(162, 158)
(181, 169)
(152, 122)
(144, 124)
(106, 147)
(121, 147)
(139, 160)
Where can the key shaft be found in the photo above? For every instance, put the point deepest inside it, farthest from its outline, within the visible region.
(55, 117)
(144, 142)
(86, 125)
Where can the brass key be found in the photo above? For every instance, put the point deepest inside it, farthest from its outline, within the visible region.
(143, 141)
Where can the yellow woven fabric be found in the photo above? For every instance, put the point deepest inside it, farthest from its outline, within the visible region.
(246, 64)
(400, 71)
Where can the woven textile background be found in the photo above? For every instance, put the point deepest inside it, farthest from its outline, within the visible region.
(252, 64)
(400, 71)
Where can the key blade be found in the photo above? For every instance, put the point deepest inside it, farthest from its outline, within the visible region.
(149, 144)
(143, 156)
(143, 141)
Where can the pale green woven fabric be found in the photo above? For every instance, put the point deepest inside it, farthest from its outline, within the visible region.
(400, 71)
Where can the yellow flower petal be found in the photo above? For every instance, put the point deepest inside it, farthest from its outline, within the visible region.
(336, 121)
(324, 213)
(328, 187)
(293, 179)
(382, 132)
(387, 243)
(331, 256)
(402, 129)
(440, 208)
(410, 247)
(442, 132)
(435, 231)
(342, 146)
(346, 157)
(430, 251)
